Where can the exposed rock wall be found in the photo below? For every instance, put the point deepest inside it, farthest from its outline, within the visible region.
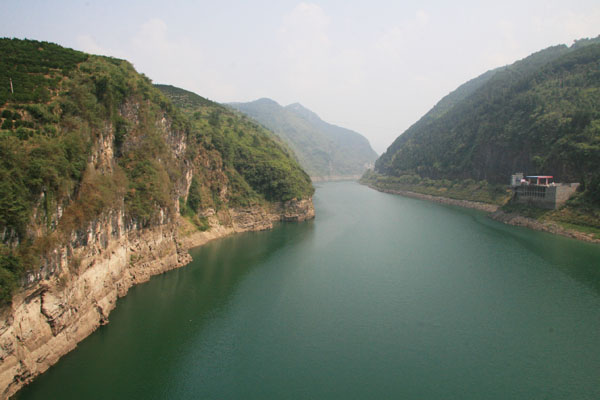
(102, 213)
(245, 219)
(74, 290)
(64, 304)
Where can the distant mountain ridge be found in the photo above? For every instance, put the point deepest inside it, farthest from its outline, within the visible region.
(538, 115)
(324, 150)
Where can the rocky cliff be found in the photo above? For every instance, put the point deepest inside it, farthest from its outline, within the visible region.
(105, 183)
(64, 304)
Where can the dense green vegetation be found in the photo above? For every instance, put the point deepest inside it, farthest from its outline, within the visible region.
(461, 189)
(43, 147)
(63, 102)
(540, 115)
(192, 206)
(82, 135)
(35, 69)
(258, 165)
(322, 149)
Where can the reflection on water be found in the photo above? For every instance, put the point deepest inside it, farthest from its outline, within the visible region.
(577, 259)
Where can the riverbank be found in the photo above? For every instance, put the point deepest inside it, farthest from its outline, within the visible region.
(516, 219)
(496, 213)
(64, 303)
(442, 200)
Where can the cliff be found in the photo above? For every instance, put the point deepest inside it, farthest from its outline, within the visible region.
(106, 183)
(59, 308)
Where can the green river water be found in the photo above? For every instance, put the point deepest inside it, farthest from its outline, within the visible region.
(380, 297)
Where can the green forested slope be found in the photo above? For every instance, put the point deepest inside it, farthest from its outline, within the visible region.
(539, 115)
(252, 154)
(81, 135)
(323, 149)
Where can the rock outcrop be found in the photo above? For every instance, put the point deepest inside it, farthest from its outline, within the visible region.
(110, 183)
(61, 307)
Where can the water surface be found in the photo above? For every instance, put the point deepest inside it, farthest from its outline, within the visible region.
(380, 297)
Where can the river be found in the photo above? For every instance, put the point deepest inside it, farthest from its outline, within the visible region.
(379, 297)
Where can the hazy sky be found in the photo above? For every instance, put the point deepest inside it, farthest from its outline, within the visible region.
(372, 66)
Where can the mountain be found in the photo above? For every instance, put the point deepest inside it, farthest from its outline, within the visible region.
(104, 182)
(540, 115)
(324, 150)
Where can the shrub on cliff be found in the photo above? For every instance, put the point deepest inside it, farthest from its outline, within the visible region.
(58, 172)
(63, 102)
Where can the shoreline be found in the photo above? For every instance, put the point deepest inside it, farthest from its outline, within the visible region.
(62, 305)
(477, 205)
(546, 226)
(334, 178)
(494, 212)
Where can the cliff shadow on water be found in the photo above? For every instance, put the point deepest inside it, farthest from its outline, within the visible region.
(159, 321)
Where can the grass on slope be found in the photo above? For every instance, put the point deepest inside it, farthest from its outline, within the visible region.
(258, 164)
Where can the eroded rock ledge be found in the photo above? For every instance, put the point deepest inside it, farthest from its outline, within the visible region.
(65, 302)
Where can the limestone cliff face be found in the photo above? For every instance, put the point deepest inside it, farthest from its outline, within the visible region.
(108, 183)
(78, 282)
(66, 302)
(60, 308)
(77, 286)
(239, 220)
(295, 210)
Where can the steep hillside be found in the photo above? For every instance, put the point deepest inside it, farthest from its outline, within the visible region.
(323, 149)
(104, 183)
(259, 164)
(539, 115)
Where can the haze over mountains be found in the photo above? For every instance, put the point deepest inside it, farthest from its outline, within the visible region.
(324, 150)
